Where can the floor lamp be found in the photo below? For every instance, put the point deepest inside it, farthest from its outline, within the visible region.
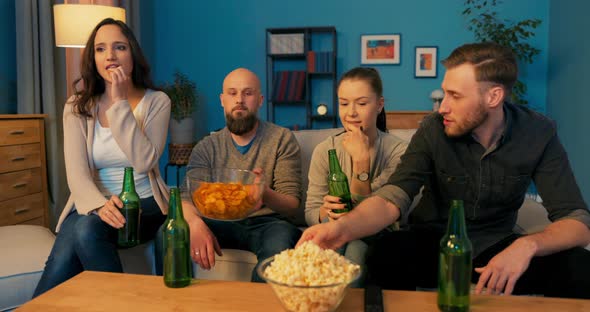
(73, 24)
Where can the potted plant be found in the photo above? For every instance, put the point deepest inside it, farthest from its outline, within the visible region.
(483, 20)
(184, 100)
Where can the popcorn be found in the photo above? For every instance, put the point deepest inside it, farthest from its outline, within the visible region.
(314, 279)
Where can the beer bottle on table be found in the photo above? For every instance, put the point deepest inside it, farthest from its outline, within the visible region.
(338, 183)
(177, 260)
(128, 235)
(454, 271)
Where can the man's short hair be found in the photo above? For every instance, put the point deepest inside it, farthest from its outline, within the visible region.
(493, 63)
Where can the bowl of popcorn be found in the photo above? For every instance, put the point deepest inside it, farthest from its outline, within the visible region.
(223, 193)
(309, 278)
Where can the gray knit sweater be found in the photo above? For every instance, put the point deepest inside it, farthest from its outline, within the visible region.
(274, 149)
(388, 150)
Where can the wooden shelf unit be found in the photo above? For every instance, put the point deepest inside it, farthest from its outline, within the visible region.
(274, 60)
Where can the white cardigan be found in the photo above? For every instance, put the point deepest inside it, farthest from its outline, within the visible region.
(142, 142)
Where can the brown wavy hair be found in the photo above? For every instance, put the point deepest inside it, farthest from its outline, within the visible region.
(93, 83)
(372, 77)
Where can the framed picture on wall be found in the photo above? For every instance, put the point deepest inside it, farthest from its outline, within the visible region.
(381, 49)
(426, 62)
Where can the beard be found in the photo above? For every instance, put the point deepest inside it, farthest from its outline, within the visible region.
(242, 124)
(467, 125)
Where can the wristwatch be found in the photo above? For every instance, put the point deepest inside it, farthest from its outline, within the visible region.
(363, 176)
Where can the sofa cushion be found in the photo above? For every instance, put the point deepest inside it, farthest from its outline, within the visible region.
(25, 249)
(532, 217)
(234, 265)
(404, 134)
(308, 139)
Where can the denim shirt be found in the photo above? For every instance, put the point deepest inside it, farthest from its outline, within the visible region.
(492, 183)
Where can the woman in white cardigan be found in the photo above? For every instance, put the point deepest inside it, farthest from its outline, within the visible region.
(117, 120)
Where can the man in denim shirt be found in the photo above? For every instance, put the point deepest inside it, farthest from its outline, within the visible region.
(485, 151)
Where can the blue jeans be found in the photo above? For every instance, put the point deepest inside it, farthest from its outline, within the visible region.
(263, 235)
(356, 251)
(85, 242)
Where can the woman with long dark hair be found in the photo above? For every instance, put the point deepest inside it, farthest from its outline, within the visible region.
(116, 120)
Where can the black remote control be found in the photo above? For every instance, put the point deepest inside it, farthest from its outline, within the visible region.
(373, 299)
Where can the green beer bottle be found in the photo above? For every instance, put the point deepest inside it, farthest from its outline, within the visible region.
(129, 233)
(454, 271)
(177, 260)
(338, 183)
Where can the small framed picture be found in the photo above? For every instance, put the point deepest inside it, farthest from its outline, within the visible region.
(381, 49)
(426, 62)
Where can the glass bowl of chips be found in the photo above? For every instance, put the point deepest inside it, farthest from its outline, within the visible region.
(225, 194)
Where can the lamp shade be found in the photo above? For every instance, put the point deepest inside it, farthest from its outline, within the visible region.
(75, 22)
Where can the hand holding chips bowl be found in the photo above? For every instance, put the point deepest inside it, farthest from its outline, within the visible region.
(225, 194)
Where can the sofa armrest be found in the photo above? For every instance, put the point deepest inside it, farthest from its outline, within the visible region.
(25, 249)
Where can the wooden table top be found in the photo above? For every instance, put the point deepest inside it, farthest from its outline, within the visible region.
(99, 291)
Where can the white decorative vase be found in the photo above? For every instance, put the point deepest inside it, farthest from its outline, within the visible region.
(181, 132)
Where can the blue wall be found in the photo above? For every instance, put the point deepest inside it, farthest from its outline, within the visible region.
(8, 57)
(207, 39)
(567, 89)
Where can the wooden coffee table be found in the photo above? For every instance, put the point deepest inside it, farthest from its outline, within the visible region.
(99, 291)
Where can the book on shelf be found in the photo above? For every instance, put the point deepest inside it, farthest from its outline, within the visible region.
(311, 61)
(320, 62)
(286, 43)
(288, 86)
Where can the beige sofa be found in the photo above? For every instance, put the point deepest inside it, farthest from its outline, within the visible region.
(25, 248)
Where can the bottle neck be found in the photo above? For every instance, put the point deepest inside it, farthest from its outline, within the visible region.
(128, 181)
(334, 163)
(456, 224)
(175, 208)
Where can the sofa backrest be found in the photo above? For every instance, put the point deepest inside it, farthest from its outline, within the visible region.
(308, 139)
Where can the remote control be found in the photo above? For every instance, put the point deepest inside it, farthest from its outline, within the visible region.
(373, 299)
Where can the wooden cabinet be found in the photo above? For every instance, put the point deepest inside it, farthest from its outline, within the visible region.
(23, 170)
(405, 119)
(301, 75)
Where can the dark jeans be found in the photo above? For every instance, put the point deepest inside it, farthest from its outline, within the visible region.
(405, 260)
(264, 235)
(88, 243)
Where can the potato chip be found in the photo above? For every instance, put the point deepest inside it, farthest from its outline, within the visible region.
(226, 201)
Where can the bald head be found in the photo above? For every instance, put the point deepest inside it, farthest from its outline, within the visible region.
(241, 78)
(241, 99)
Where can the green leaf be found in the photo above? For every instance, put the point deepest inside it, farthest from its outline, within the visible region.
(483, 20)
(183, 96)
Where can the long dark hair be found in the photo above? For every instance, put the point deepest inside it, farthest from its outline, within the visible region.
(93, 83)
(371, 76)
